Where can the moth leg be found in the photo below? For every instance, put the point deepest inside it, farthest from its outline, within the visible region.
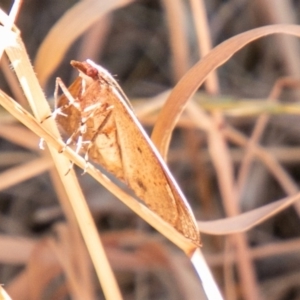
(80, 131)
(79, 142)
(78, 147)
(92, 141)
(77, 137)
(59, 110)
(60, 84)
(72, 101)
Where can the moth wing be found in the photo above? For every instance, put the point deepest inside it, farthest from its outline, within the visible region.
(147, 174)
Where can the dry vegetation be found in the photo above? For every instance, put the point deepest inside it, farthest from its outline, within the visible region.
(234, 150)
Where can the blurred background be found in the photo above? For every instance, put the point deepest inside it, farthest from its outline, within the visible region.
(134, 43)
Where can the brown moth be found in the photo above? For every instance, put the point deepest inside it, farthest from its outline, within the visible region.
(98, 117)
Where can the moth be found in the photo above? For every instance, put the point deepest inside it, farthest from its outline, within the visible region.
(99, 119)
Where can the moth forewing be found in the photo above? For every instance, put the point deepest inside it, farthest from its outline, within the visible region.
(144, 169)
(152, 181)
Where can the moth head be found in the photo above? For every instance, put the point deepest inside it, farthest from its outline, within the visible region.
(86, 71)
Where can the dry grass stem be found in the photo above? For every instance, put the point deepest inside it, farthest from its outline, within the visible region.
(33, 92)
(192, 80)
(175, 18)
(204, 41)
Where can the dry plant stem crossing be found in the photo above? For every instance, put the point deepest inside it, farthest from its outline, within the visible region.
(32, 90)
(224, 170)
(284, 179)
(222, 163)
(31, 123)
(185, 89)
(175, 17)
(193, 79)
(23, 116)
(256, 135)
(187, 251)
(204, 41)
